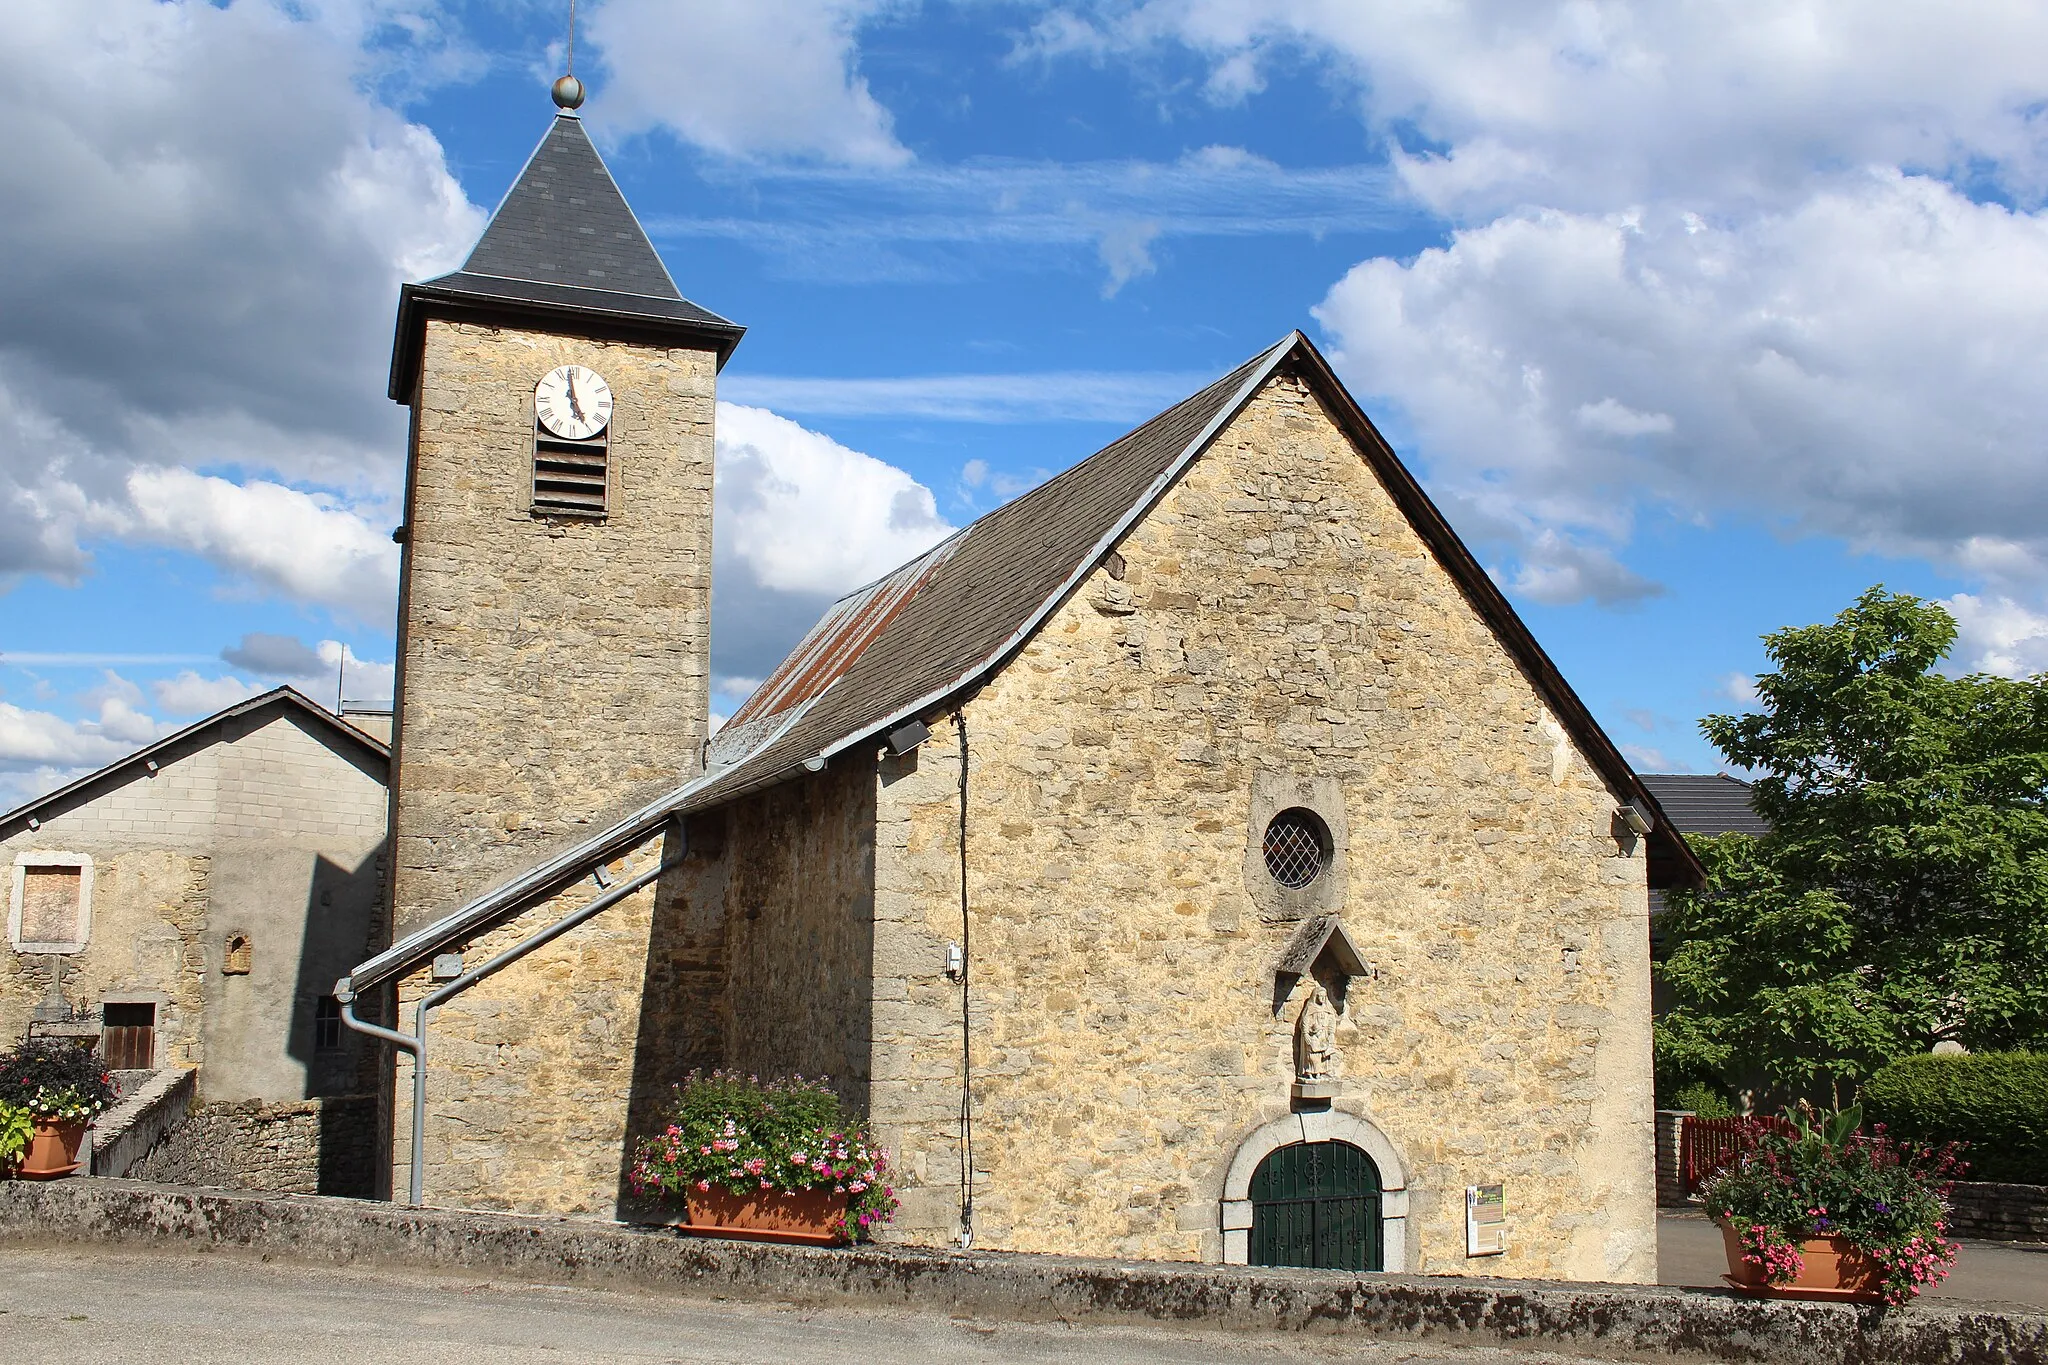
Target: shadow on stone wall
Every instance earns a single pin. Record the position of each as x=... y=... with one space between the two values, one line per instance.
x=682 y=992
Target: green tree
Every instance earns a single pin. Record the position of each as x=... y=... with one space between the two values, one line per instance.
x=1902 y=895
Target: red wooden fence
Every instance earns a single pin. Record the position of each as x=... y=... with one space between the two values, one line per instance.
x=1707 y=1147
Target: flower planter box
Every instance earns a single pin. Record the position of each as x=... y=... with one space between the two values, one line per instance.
x=53 y=1154
x=806 y=1218
x=1834 y=1270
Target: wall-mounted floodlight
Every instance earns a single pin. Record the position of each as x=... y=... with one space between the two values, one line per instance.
x=956 y=961
x=904 y=738
x=1637 y=819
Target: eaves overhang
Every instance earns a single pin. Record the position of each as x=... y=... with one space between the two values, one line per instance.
x=547 y=307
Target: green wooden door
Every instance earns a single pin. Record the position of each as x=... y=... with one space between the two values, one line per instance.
x=1317 y=1205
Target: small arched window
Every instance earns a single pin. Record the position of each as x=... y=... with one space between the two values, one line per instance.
x=234 y=960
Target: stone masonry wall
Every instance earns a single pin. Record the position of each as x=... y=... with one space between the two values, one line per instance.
x=551 y=669
x=530 y=1072
x=149 y=909
x=1278 y=626
x=267 y=832
x=331 y=1146
x=753 y=953
x=552 y=673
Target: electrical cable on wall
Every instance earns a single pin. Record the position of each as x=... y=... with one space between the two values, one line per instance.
x=966 y=1027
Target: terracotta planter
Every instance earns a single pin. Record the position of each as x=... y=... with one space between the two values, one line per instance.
x=1834 y=1270
x=53 y=1153
x=809 y=1217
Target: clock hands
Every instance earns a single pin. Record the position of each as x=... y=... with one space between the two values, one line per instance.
x=575 y=407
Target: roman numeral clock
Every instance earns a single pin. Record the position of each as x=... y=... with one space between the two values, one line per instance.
x=572 y=415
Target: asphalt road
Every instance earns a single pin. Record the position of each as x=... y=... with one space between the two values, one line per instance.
x=1689 y=1252
x=89 y=1307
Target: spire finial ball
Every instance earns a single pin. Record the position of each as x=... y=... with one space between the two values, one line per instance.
x=568 y=93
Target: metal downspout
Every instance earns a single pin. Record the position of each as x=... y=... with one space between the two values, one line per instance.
x=416 y=1042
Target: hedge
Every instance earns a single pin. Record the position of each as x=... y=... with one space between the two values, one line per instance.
x=1995 y=1101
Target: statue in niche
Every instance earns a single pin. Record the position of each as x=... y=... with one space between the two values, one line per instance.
x=1315 y=1037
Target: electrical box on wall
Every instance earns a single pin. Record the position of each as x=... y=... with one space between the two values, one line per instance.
x=1486 y=1220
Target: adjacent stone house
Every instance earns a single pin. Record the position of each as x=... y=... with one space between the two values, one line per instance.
x=191 y=905
x=1195 y=858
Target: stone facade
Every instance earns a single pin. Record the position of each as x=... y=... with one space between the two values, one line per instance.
x=1277 y=618
x=329 y=1145
x=552 y=672
x=753 y=952
x=270 y=831
x=1275 y=633
x=550 y=668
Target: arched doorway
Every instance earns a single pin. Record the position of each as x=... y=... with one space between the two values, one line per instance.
x=1317 y=1205
x=1319 y=1129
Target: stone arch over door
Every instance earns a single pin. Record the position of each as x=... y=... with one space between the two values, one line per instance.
x=1326 y=1125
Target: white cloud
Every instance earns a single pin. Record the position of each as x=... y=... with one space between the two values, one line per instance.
x=40 y=742
x=1126 y=250
x=1995 y=634
x=1645 y=758
x=1739 y=688
x=940 y=221
x=1049 y=396
x=744 y=77
x=1737 y=258
x=805 y=514
x=799 y=520
x=189 y=694
x=1863 y=366
x=1587 y=106
x=302 y=545
x=202 y=283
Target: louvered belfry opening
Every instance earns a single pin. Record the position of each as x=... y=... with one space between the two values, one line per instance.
x=571 y=478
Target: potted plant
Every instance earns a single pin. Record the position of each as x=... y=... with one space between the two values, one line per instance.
x=1823 y=1210
x=783 y=1160
x=61 y=1086
x=17 y=1130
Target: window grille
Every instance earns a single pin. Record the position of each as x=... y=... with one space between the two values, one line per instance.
x=1297 y=847
x=571 y=478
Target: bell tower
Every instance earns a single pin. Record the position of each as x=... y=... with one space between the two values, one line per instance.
x=555 y=587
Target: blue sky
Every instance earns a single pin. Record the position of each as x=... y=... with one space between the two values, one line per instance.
x=1696 y=319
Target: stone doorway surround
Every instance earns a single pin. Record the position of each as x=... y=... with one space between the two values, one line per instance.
x=1317 y=1125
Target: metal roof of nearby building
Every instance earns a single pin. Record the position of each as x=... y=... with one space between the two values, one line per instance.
x=563 y=244
x=1706 y=803
x=913 y=643
x=178 y=745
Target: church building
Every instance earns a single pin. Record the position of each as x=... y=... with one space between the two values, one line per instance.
x=1195 y=858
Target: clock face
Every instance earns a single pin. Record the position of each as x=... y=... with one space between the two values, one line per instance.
x=573 y=402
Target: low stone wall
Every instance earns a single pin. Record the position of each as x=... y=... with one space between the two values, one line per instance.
x=2000 y=1213
x=318 y=1146
x=151 y=1105
x=1616 y=1322
x=1670 y=1146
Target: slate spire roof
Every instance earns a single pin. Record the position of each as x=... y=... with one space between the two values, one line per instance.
x=563 y=246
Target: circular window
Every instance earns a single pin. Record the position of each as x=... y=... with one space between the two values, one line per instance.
x=1297 y=847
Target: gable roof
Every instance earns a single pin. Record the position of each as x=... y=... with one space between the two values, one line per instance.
x=563 y=245
x=932 y=632
x=179 y=745
x=1707 y=803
